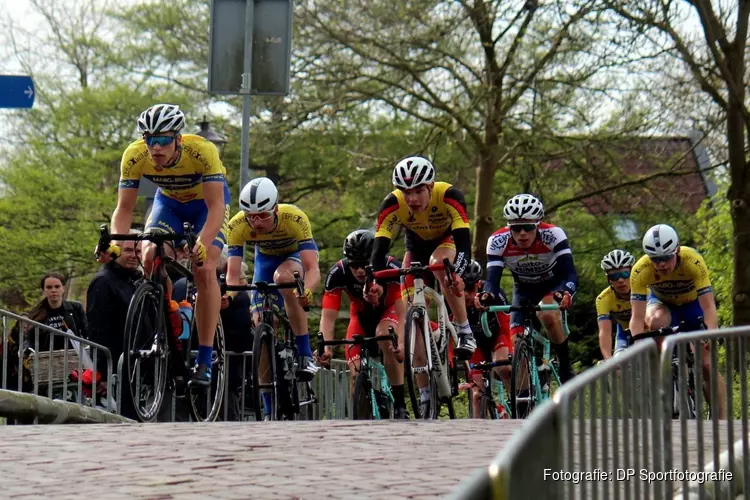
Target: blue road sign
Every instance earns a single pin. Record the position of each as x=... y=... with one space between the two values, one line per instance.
x=16 y=91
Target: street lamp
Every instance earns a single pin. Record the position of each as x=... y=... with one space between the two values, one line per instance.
x=206 y=132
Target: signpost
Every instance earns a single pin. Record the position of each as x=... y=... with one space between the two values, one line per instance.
x=249 y=54
x=16 y=91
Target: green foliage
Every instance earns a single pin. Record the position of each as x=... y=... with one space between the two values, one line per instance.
x=713 y=237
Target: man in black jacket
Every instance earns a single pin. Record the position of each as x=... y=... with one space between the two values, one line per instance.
x=107 y=302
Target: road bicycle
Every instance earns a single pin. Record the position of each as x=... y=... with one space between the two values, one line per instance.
x=155 y=359
x=371 y=400
x=489 y=407
x=426 y=363
x=680 y=404
x=277 y=393
x=535 y=369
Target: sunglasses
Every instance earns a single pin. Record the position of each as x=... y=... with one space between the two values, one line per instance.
x=357 y=265
x=161 y=140
x=665 y=258
x=517 y=228
x=259 y=216
x=617 y=276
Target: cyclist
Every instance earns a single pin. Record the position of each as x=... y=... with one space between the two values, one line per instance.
x=496 y=348
x=436 y=225
x=348 y=275
x=192 y=188
x=613 y=304
x=284 y=243
x=541 y=262
x=669 y=285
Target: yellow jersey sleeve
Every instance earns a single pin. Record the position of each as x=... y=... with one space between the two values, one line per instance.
x=640 y=278
x=239 y=233
x=602 y=306
x=388 y=218
x=697 y=266
x=131 y=165
x=455 y=203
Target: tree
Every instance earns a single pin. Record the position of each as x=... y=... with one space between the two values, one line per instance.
x=471 y=70
x=715 y=61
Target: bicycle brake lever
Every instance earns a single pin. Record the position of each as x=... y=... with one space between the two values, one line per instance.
x=300 y=289
x=449 y=270
x=104 y=239
x=321 y=347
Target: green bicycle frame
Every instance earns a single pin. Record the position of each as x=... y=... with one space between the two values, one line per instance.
x=536 y=337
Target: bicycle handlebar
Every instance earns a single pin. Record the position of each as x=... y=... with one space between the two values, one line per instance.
x=358 y=340
x=507 y=309
x=105 y=237
x=263 y=286
x=489 y=365
x=664 y=331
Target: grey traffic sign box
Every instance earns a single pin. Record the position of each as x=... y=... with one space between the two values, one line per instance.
x=271 y=46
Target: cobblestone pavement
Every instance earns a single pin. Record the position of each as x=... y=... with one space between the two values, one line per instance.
x=284 y=460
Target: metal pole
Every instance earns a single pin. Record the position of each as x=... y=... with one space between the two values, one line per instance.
x=245 y=91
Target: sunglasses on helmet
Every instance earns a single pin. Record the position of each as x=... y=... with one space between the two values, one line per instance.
x=161 y=140
x=617 y=276
x=517 y=228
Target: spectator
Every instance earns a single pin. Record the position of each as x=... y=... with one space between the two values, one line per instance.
x=107 y=303
x=238 y=324
x=57 y=313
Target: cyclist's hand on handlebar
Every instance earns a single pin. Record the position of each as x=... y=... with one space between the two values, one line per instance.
x=108 y=255
x=307 y=299
x=564 y=299
x=325 y=359
x=398 y=352
x=373 y=294
x=482 y=300
x=199 y=252
x=456 y=284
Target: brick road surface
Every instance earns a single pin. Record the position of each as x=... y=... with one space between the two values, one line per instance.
x=284 y=460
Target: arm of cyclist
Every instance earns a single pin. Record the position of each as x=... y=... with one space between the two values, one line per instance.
x=384 y=227
x=234 y=272
x=491 y=291
x=605 y=337
x=312 y=274
x=708 y=305
x=456 y=203
x=637 y=315
x=565 y=273
x=122 y=218
x=328 y=316
x=401 y=314
x=213 y=194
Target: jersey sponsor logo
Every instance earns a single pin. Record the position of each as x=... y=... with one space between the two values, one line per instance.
x=549 y=237
x=676 y=287
x=498 y=242
x=195 y=154
x=142 y=155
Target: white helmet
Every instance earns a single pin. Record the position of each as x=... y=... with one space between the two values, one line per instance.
x=259 y=195
x=617 y=259
x=161 y=118
x=412 y=172
x=524 y=206
x=661 y=241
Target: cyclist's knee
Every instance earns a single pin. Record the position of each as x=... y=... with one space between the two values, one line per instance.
x=550 y=319
x=503 y=371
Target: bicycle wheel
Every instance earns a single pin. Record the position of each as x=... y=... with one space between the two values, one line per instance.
x=264 y=373
x=414 y=344
x=146 y=351
x=487 y=405
x=362 y=398
x=522 y=392
x=205 y=404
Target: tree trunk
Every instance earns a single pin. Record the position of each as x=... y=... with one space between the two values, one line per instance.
x=484 y=223
x=739 y=197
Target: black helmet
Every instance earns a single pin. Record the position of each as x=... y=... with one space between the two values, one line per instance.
x=473 y=273
x=358 y=245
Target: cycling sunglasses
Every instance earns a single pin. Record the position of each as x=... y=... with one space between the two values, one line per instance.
x=161 y=140
x=357 y=265
x=664 y=258
x=617 y=276
x=517 y=228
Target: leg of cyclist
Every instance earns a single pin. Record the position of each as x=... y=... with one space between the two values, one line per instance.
x=306 y=366
x=353 y=352
x=393 y=368
x=456 y=303
x=552 y=321
x=503 y=349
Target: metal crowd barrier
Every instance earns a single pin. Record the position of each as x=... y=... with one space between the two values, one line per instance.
x=45 y=371
x=608 y=433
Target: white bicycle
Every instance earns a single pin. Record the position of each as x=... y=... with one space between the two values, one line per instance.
x=426 y=365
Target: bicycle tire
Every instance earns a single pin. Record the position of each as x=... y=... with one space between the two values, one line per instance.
x=143 y=312
x=362 y=398
x=414 y=317
x=208 y=410
x=487 y=406
x=264 y=342
x=522 y=358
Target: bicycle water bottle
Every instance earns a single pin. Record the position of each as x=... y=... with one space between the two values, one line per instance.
x=186 y=313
